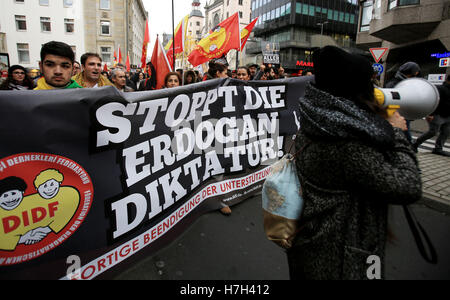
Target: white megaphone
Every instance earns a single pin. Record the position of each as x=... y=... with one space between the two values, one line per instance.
x=413 y=98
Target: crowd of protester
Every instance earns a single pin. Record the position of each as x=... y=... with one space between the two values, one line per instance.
x=59 y=70
x=90 y=73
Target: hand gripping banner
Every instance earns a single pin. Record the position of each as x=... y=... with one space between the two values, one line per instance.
x=91 y=177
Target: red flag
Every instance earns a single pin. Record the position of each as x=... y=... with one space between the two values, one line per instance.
x=115 y=58
x=161 y=64
x=105 y=68
x=179 y=40
x=127 y=64
x=223 y=38
x=120 y=56
x=245 y=33
x=144 y=46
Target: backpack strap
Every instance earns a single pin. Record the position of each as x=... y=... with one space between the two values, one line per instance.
x=418 y=232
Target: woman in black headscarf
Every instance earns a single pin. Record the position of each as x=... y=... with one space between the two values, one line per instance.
x=354 y=162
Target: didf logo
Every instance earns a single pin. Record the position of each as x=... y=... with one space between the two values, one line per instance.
x=44 y=198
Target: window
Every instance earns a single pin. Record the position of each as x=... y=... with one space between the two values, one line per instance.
x=105 y=4
x=21 y=23
x=241 y=15
x=283 y=10
x=43 y=2
x=395 y=3
x=366 y=15
x=46 y=24
x=330 y=14
x=69 y=25
x=104 y=27
x=105 y=53
x=241 y=2
x=23 y=52
x=74 y=49
x=305 y=9
x=68 y=3
x=20 y=1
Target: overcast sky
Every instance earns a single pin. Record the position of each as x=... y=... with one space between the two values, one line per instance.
x=160 y=16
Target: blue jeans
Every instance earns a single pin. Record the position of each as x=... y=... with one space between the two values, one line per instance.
x=439 y=125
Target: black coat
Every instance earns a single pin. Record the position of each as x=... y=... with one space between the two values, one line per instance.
x=443 y=109
x=354 y=164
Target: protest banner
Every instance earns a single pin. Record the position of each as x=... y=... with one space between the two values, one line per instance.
x=271 y=52
x=91 y=177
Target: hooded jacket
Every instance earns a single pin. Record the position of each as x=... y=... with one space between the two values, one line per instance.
x=409 y=68
x=353 y=164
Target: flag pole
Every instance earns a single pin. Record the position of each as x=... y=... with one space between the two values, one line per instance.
x=240 y=42
x=173 y=35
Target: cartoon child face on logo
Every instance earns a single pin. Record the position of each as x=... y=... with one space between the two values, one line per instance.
x=42 y=203
x=48 y=182
x=11 y=192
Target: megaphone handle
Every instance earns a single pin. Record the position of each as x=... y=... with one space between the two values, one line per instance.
x=391 y=109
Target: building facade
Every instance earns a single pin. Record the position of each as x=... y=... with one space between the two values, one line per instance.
x=412 y=30
x=99 y=26
x=26 y=25
x=111 y=24
x=299 y=26
x=137 y=17
x=218 y=10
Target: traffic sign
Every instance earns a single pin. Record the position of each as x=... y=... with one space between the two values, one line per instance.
x=378 y=68
x=444 y=62
x=378 y=53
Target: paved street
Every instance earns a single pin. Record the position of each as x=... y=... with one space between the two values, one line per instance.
x=216 y=247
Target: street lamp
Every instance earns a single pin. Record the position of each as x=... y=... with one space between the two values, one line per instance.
x=321 y=31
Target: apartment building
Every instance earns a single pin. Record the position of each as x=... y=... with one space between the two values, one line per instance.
x=412 y=30
x=218 y=10
x=99 y=26
x=25 y=25
x=111 y=24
